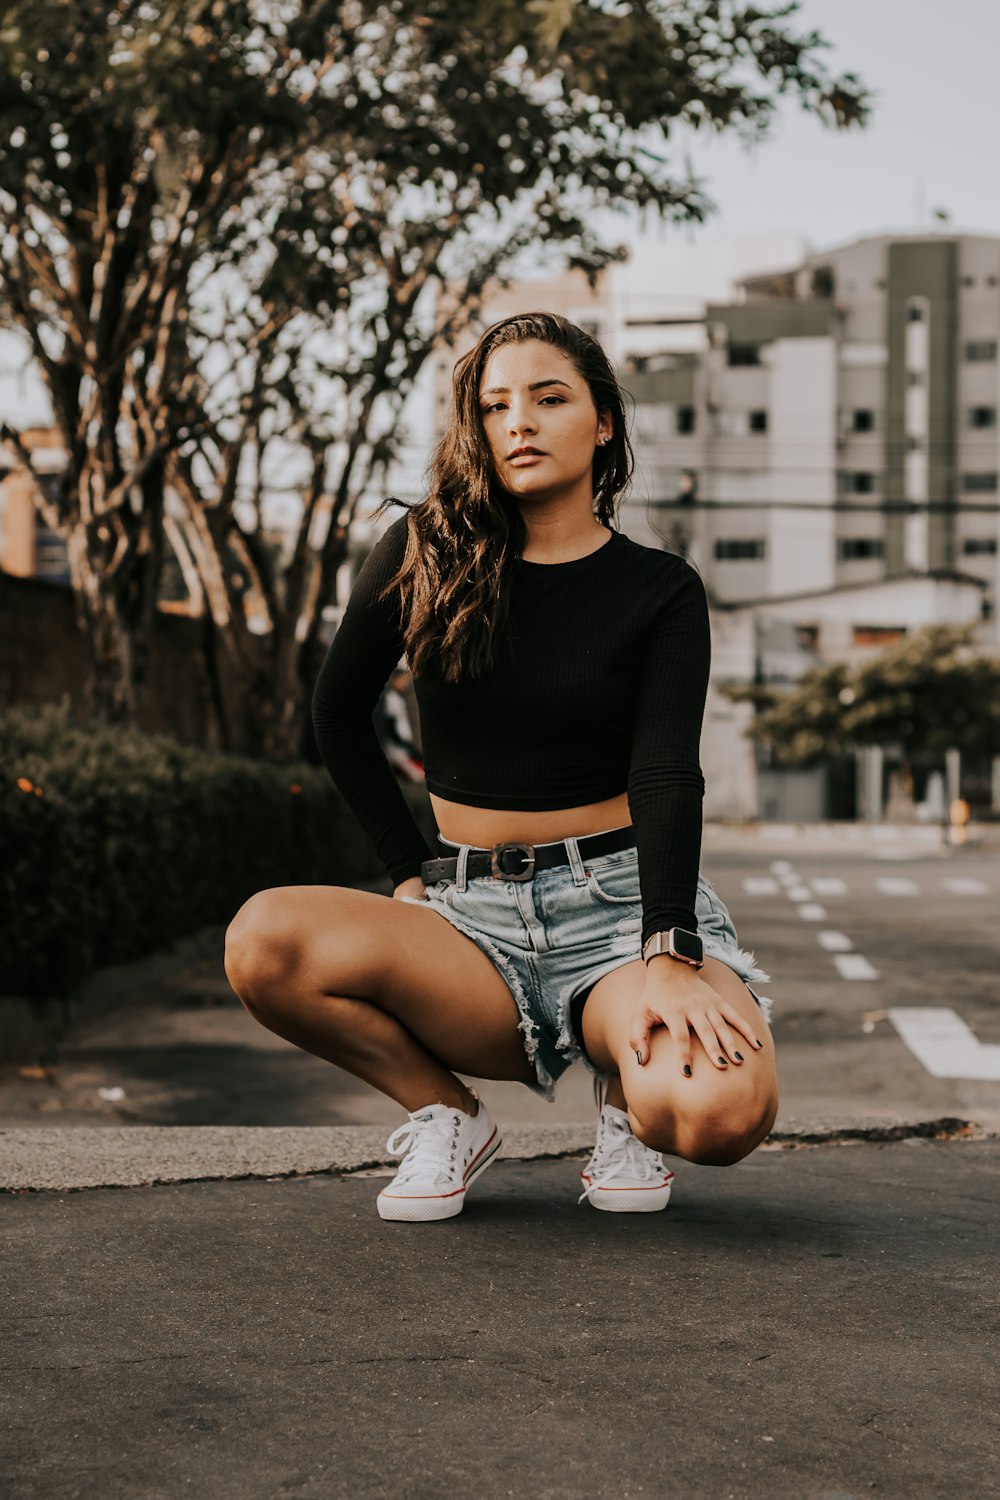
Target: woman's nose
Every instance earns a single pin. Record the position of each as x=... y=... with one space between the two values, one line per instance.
x=522 y=421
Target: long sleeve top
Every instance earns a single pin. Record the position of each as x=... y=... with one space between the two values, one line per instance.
x=598 y=687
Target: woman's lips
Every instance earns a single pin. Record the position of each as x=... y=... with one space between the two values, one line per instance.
x=526 y=458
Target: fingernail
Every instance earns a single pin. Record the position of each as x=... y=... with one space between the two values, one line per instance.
x=757 y=1044
x=723 y=1062
x=687 y=1070
x=638 y=1057
x=738 y=1056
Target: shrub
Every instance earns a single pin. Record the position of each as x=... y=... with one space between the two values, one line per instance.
x=114 y=843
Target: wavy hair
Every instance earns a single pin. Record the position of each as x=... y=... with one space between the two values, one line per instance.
x=467 y=532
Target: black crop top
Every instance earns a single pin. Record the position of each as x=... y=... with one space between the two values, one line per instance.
x=599 y=689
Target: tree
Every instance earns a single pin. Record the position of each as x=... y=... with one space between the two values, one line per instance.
x=223 y=226
x=930 y=692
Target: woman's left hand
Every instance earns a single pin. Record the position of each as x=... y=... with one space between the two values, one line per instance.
x=680 y=999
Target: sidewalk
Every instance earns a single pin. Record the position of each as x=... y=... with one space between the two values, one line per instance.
x=816 y=1323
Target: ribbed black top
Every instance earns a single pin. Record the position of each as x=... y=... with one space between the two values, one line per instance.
x=599 y=688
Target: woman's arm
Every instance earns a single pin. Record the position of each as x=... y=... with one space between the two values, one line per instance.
x=665 y=783
x=366 y=648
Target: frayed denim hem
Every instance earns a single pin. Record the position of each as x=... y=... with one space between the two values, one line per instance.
x=527 y=1025
x=743 y=963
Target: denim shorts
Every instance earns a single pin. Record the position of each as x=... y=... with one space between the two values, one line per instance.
x=554 y=936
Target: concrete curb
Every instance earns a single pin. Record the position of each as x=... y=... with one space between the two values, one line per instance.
x=82 y=1157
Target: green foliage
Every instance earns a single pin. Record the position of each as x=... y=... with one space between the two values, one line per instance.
x=928 y=693
x=114 y=843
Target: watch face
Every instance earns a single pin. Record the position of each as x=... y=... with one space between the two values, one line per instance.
x=687 y=944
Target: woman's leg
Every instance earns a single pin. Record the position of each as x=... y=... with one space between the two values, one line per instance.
x=717 y=1116
x=390 y=992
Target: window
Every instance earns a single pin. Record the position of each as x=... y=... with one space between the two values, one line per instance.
x=968 y=280
x=862 y=420
x=685 y=419
x=744 y=354
x=758 y=421
x=979 y=546
x=857 y=482
x=979 y=484
x=877 y=635
x=915 y=312
x=914 y=377
x=982 y=416
x=851 y=547
x=981 y=349
x=739 y=549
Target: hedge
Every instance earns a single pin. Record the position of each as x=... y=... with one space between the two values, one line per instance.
x=113 y=843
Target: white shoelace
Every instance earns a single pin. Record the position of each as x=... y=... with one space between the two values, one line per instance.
x=428 y=1147
x=618 y=1150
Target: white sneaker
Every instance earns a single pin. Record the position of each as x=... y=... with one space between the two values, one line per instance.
x=623 y=1176
x=443 y=1150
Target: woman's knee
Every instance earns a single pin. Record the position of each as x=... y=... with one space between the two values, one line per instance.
x=263 y=947
x=713 y=1130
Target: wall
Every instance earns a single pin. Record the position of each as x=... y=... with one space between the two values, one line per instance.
x=43 y=661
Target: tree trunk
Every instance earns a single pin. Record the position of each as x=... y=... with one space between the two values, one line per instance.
x=100 y=618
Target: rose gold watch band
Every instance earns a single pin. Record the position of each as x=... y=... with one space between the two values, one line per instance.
x=662 y=942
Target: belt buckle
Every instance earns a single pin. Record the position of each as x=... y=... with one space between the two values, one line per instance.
x=497 y=870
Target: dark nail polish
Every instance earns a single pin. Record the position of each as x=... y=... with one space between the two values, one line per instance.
x=722 y=1060
x=687 y=1070
x=757 y=1044
x=638 y=1057
x=738 y=1056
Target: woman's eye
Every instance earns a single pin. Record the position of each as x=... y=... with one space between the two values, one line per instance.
x=487 y=410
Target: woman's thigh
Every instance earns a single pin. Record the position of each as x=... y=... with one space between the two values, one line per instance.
x=290 y=947
x=739 y=1100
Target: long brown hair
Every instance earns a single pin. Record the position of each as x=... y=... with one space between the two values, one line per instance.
x=464 y=536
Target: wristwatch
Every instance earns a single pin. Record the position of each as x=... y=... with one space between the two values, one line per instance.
x=679 y=943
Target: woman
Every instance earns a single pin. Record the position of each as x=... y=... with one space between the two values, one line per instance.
x=560 y=670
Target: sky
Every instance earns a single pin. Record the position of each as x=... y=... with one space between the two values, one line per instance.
x=931 y=142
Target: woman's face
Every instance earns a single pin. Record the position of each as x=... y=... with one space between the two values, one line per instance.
x=531 y=396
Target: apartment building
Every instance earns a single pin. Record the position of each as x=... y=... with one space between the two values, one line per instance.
x=839 y=427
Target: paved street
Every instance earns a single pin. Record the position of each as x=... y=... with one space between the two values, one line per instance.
x=849 y=936
x=809 y=1325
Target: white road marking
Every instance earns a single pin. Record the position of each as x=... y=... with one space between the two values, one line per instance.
x=896 y=885
x=798 y=893
x=942 y=1042
x=829 y=885
x=854 y=966
x=811 y=911
x=760 y=885
x=965 y=885
x=834 y=942
x=781 y=866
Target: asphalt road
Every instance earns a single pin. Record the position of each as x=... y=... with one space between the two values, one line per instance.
x=919 y=923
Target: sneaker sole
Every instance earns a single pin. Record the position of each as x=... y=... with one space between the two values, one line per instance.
x=629 y=1200
x=427 y=1209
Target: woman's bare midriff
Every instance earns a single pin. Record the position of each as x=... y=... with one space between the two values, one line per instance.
x=486 y=826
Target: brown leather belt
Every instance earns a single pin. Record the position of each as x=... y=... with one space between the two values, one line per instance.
x=517 y=861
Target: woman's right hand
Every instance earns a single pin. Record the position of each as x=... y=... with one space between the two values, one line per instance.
x=414 y=887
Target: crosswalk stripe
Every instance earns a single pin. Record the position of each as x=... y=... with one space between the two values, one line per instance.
x=829 y=885
x=854 y=966
x=896 y=885
x=811 y=911
x=834 y=942
x=965 y=885
x=940 y=1040
x=760 y=885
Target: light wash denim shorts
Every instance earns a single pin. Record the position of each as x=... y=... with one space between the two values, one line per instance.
x=554 y=936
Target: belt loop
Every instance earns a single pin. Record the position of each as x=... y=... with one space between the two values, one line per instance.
x=575 y=861
x=461 y=870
